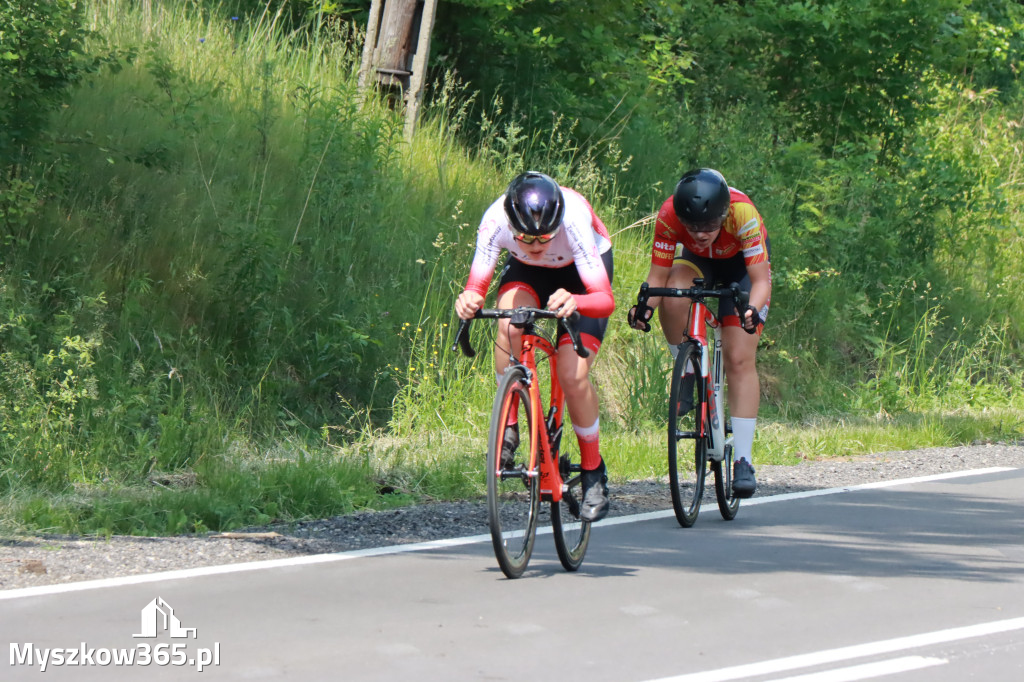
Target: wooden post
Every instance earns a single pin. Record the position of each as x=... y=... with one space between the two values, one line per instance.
x=369 y=44
x=419 y=68
x=388 y=58
x=394 y=44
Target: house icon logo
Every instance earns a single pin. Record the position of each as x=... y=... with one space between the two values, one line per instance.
x=158 y=616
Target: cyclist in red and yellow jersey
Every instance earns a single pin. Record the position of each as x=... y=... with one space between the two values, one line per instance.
x=560 y=257
x=723 y=240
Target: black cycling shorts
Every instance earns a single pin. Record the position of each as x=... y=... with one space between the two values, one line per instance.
x=722 y=272
x=540 y=283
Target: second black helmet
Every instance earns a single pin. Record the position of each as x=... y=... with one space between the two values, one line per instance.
x=701 y=199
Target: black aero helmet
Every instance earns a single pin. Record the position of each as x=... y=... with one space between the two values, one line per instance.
x=534 y=193
x=701 y=198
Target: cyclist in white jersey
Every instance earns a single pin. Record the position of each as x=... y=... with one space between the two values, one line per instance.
x=560 y=257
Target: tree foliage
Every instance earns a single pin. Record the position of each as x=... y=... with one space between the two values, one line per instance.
x=40 y=56
x=843 y=69
x=868 y=67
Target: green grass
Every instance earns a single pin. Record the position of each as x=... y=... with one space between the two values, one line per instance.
x=233 y=302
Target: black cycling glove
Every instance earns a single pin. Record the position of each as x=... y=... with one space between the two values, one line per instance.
x=640 y=312
x=756 y=317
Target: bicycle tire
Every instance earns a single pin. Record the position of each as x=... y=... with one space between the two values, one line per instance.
x=728 y=504
x=572 y=534
x=686 y=473
x=513 y=493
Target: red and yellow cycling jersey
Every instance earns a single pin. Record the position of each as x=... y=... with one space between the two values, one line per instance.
x=743 y=232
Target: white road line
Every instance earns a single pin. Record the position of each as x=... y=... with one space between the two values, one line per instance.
x=437 y=544
x=239 y=568
x=868 y=670
x=812 y=493
x=850 y=652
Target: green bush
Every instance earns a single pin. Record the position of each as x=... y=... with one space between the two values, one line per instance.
x=47 y=393
x=40 y=58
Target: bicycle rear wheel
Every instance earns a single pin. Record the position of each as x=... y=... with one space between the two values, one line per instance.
x=728 y=504
x=513 y=486
x=686 y=472
x=571 y=533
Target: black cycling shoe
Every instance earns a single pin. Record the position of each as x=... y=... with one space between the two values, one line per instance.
x=743 y=481
x=595 y=494
x=508 y=446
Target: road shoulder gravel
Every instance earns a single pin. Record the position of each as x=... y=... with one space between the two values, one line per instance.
x=29 y=561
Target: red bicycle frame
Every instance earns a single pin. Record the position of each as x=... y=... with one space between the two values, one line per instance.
x=547 y=428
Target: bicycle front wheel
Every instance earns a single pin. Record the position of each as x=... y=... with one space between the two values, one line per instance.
x=571 y=532
x=728 y=504
x=686 y=414
x=513 y=483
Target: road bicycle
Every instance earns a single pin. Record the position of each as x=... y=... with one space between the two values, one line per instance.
x=544 y=467
x=696 y=381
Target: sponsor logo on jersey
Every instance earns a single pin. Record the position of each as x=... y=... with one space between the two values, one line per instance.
x=664 y=246
x=753 y=251
x=749 y=226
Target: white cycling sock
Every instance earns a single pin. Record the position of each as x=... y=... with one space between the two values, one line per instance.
x=590 y=449
x=588 y=431
x=743 y=438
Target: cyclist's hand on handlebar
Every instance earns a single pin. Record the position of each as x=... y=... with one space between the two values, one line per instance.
x=562 y=303
x=467 y=304
x=749 y=319
x=639 y=319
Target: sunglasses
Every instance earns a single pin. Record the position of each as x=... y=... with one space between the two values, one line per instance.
x=706 y=227
x=531 y=238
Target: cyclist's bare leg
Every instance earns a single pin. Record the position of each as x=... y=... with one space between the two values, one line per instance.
x=675 y=312
x=580 y=395
x=739 y=350
x=509 y=337
x=581 y=401
x=738 y=355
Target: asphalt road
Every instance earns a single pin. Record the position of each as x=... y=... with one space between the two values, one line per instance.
x=918 y=580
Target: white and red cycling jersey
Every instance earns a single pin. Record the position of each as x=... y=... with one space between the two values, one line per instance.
x=580 y=241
